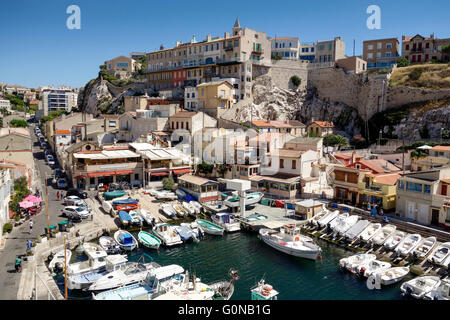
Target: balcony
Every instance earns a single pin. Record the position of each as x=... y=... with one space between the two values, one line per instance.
x=256 y=51
x=228 y=48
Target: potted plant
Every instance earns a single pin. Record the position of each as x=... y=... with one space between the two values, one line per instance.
x=30 y=255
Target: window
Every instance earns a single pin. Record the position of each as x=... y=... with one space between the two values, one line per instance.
x=294 y=164
x=187 y=95
x=378 y=54
x=281 y=163
x=388 y=54
x=388 y=45
x=112 y=123
x=330 y=47
x=427 y=188
x=379 y=45
x=401 y=185
x=321 y=47
x=370 y=47
x=370 y=56
x=407 y=47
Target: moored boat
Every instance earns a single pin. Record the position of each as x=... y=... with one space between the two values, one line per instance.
x=109 y=244
x=197 y=206
x=338 y=220
x=442 y=292
x=135 y=218
x=124 y=218
x=383 y=234
x=148 y=217
x=350 y=263
x=394 y=239
x=168 y=210
x=345 y=224
x=387 y=277
x=125 y=240
x=189 y=208
x=354 y=231
x=369 y=268
x=263 y=291
x=328 y=218
x=440 y=254
x=148 y=240
x=210 y=228
x=114 y=194
x=425 y=247
x=370 y=231
x=181 y=212
x=420 y=286
x=226 y=221
x=184 y=232
x=167 y=234
x=57 y=260
x=289 y=240
x=408 y=244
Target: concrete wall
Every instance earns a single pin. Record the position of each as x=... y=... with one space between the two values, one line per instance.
x=281 y=72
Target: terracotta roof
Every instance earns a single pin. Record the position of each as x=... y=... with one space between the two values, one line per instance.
x=184 y=114
x=271 y=124
x=34 y=102
x=287 y=153
x=379 y=165
x=324 y=124
x=441 y=148
x=446 y=181
x=195 y=179
x=390 y=179
x=62 y=132
x=344 y=155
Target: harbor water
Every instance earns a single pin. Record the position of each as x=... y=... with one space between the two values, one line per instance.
x=294 y=278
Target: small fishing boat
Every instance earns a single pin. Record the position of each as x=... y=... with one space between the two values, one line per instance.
x=250 y=198
x=184 y=232
x=345 y=224
x=383 y=234
x=125 y=218
x=224 y=289
x=96 y=260
x=369 y=232
x=328 y=218
x=338 y=220
x=83 y=281
x=125 y=201
x=210 y=228
x=369 y=268
x=425 y=247
x=125 y=240
x=107 y=206
x=169 y=210
x=420 y=286
x=197 y=232
x=356 y=230
x=386 y=277
x=181 y=212
x=442 y=292
x=148 y=240
x=167 y=234
x=350 y=263
x=394 y=239
x=130 y=273
x=147 y=217
x=57 y=260
x=263 y=291
x=290 y=241
x=318 y=216
x=440 y=254
x=189 y=208
x=408 y=244
x=180 y=194
x=226 y=220
x=127 y=207
x=114 y=194
x=135 y=218
x=109 y=245
x=165 y=195
x=198 y=207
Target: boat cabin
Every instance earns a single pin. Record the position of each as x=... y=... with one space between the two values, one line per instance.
x=264 y=292
x=290 y=231
x=115 y=262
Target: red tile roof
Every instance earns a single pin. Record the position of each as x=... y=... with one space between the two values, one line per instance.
x=379 y=165
x=324 y=124
x=441 y=148
x=390 y=179
x=62 y=132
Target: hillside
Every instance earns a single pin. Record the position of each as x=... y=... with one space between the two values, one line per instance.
x=430 y=76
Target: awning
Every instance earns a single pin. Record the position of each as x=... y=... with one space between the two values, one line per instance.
x=165 y=173
x=181 y=171
x=99 y=174
x=80 y=177
x=124 y=172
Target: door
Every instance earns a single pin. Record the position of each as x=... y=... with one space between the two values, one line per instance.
x=435 y=216
x=422 y=214
x=410 y=210
x=444 y=189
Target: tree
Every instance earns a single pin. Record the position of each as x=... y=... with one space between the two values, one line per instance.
x=403 y=62
x=205 y=167
x=15 y=123
x=335 y=140
x=446 y=49
x=276 y=57
x=296 y=80
x=424 y=133
x=143 y=61
x=168 y=183
x=20 y=192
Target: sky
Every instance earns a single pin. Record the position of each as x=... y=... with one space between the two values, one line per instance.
x=37 y=48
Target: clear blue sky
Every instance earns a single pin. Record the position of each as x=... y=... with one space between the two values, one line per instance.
x=36 y=48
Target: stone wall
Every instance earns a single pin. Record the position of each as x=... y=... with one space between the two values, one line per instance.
x=281 y=72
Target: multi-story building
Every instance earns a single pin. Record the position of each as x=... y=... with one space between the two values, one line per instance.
x=352 y=64
x=214 y=98
x=307 y=51
x=381 y=53
x=293 y=127
x=120 y=63
x=330 y=51
x=191 y=98
x=419 y=49
x=239 y=55
x=286 y=47
x=424 y=197
x=439 y=156
x=58 y=99
x=320 y=128
x=5 y=104
x=6 y=185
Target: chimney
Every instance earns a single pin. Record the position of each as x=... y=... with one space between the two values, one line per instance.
x=226 y=35
x=208 y=38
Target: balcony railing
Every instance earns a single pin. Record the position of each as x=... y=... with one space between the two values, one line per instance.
x=228 y=48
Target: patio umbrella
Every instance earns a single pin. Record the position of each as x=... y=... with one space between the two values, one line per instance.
x=25 y=204
x=33 y=199
x=424 y=147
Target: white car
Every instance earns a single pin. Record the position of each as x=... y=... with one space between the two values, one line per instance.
x=75 y=201
x=72 y=212
x=50 y=160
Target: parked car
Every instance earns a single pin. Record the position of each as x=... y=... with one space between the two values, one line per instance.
x=77 y=192
x=62 y=183
x=47 y=152
x=59 y=173
x=76 y=202
x=73 y=212
x=50 y=160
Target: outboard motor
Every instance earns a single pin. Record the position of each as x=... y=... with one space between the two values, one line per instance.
x=58 y=267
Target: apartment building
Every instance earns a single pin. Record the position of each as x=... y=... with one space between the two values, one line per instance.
x=215 y=98
x=191 y=98
x=330 y=51
x=193 y=63
x=352 y=65
x=6 y=186
x=286 y=47
x=307 y=51
x=424 y=197
x=439 y=156
x=120 y=63
x=58 y=99
x=381 y=53
x=5 y=104
x=419 y=49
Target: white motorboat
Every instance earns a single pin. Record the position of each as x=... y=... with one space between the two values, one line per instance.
x=394 y=239
x=125 y=240
x=420 y=286
x=328 y=218
x=350 y=263
x=147 y=217
x=250 y=198
x=107 y=206
x=135 y=218
x=166 y=195
x=226 y=221
x=386 y=277
x=383 y=234
x=345 y=224
x=189 y=208
x=408 y=244
x=209 y=227
x=168 y=210
x=440 y=254
x=369 y=268
x=57 y=260
x=290 y=241
x=369 y=232
x=198 y=207
x=425 y=247
x=84 y=280
x=167 y=234
x=197 y=232
x=109 y=245
x=96 y=260
x=131 y=272
x=320 y=215
x=180 y=210
x=442 y=292
x=263 y=291
x=338 y=220
x=356 y=230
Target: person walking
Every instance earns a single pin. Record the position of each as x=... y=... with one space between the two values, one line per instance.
x=57 y=195
x=29 y=244
x=31 y=226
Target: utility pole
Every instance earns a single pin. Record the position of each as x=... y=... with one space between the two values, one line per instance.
x=65 y=269
x=46 y=206
x=403 y=152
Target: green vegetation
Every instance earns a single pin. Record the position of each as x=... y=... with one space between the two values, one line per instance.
x=143 y=61
x=205 y=167
x=429 y=75
x=296 y=80
x=335 y=140
x=275 y=57
x=114 y=80
x=418 y=153
x=18 y=123
x=20 y=192
x=424 y=132
x=16 y=100
x=4 y=112
x=52 y=115
x=7 y=228
x=402 y=62
x=446 y=49
x=168 y=183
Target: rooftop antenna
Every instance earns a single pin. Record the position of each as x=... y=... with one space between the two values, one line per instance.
x=353 y=47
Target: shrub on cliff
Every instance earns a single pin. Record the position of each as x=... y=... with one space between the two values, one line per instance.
x=296 y=80
x=402 y=62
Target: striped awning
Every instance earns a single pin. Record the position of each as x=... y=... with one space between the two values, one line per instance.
x=181 y=171
x=163 y=173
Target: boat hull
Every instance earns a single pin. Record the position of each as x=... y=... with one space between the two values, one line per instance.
x=311 y=255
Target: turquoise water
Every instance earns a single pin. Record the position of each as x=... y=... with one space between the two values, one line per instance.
x=294 y=278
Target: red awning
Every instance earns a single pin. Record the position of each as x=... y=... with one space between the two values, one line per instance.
x=99 y=174
x=159 y=173
x=124 y=172
x=181 y=171
x=80 y=177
